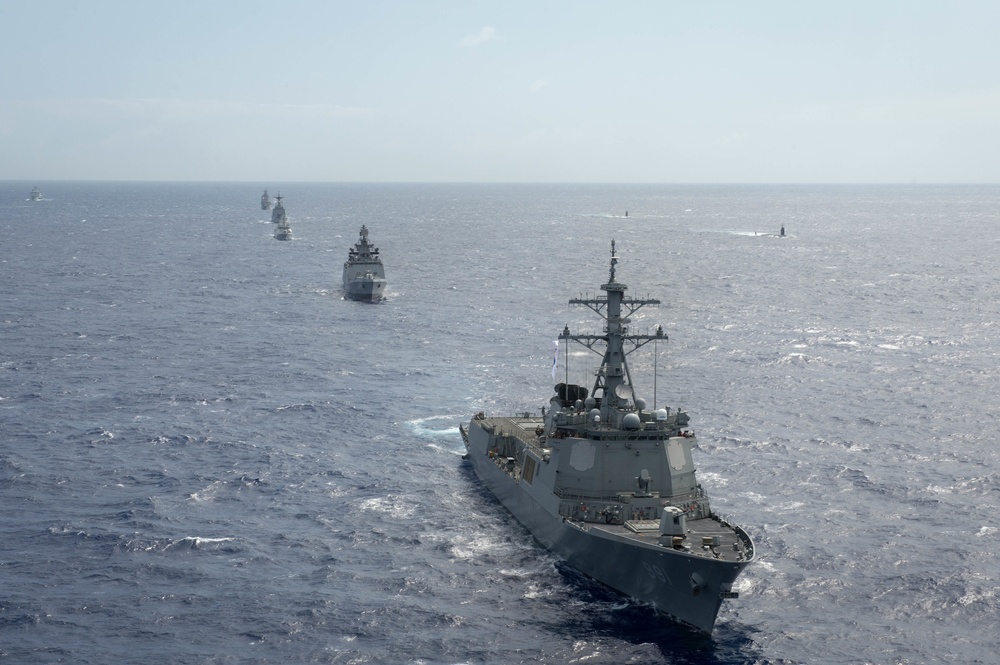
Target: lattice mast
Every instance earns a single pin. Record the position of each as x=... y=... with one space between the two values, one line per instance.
x=613 y=383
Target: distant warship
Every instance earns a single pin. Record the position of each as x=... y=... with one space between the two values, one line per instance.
x=278 y=214
x=609 y=485
x=364 y=275
x=283 y=231
x=265 y=201
x=36 y=195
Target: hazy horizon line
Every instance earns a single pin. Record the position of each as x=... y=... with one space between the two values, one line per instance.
x=268 y=183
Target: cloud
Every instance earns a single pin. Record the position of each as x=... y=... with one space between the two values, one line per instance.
x=487 y=34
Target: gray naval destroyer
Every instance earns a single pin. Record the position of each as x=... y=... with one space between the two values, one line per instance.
x=610 y=486
x=265 y=201
x=283 y=231
x=278 y=213
x=364 y=274
x=278 y=216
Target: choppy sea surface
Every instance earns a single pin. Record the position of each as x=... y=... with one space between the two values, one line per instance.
x=208 y=455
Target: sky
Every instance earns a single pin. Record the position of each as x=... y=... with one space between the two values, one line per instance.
x=873 y=91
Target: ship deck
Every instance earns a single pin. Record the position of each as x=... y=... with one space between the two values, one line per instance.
x=699 y=541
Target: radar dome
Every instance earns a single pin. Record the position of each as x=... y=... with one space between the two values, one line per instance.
x=631 y=421
x=640 y=403
x=590 y=402
x=661 y=414
x=595 y=414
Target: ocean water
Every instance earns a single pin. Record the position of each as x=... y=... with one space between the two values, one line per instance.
x=207 y=455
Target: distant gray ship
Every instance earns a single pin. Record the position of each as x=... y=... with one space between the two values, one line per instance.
x=278 y=215
x=283 y=231
x=364 y=275
x=610 y=486
x=36 y=195
x=265 y=201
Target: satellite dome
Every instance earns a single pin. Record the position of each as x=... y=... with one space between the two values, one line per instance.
x=631 y=421
x=640 y=403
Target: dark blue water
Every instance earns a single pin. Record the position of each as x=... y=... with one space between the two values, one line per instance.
x=207 y=455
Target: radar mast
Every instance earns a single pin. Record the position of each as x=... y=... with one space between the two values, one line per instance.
x=613 y=383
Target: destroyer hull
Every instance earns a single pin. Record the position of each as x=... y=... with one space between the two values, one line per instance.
x=365 y=289
x=688 y=588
